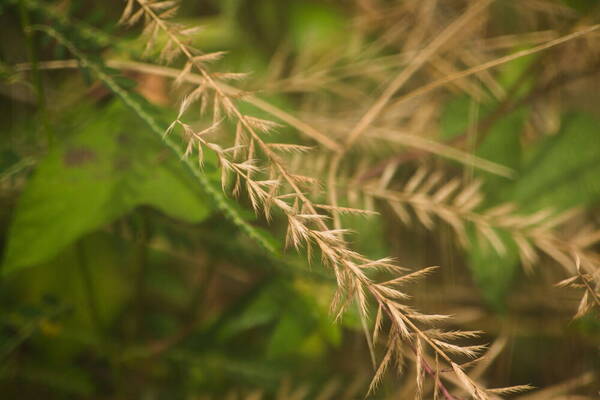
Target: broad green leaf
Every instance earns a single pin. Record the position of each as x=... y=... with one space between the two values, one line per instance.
x=147 y=114
x=564 y=171
x=96 y=175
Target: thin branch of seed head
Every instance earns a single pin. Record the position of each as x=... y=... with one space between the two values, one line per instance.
x=210 y=81
x=328 y=240
x=586 y=282
x=375 y=110
x=273 y=158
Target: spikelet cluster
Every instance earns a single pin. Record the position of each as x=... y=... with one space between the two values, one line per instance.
x=587 y=282
x=257 y=168
x=429 y=196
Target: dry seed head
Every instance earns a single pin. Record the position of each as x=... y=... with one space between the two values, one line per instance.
x=306 y=226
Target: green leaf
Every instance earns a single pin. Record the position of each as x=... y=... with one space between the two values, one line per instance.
x=455 y=117
x=563 y=172
x=142 y=109
x=98 y=174
x=502 y=145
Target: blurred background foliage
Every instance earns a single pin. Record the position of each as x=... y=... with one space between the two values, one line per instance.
x=123 y=278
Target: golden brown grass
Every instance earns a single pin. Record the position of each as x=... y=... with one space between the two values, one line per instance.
x=251 y=164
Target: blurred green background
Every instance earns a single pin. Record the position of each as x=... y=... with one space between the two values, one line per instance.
x=123 y=277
